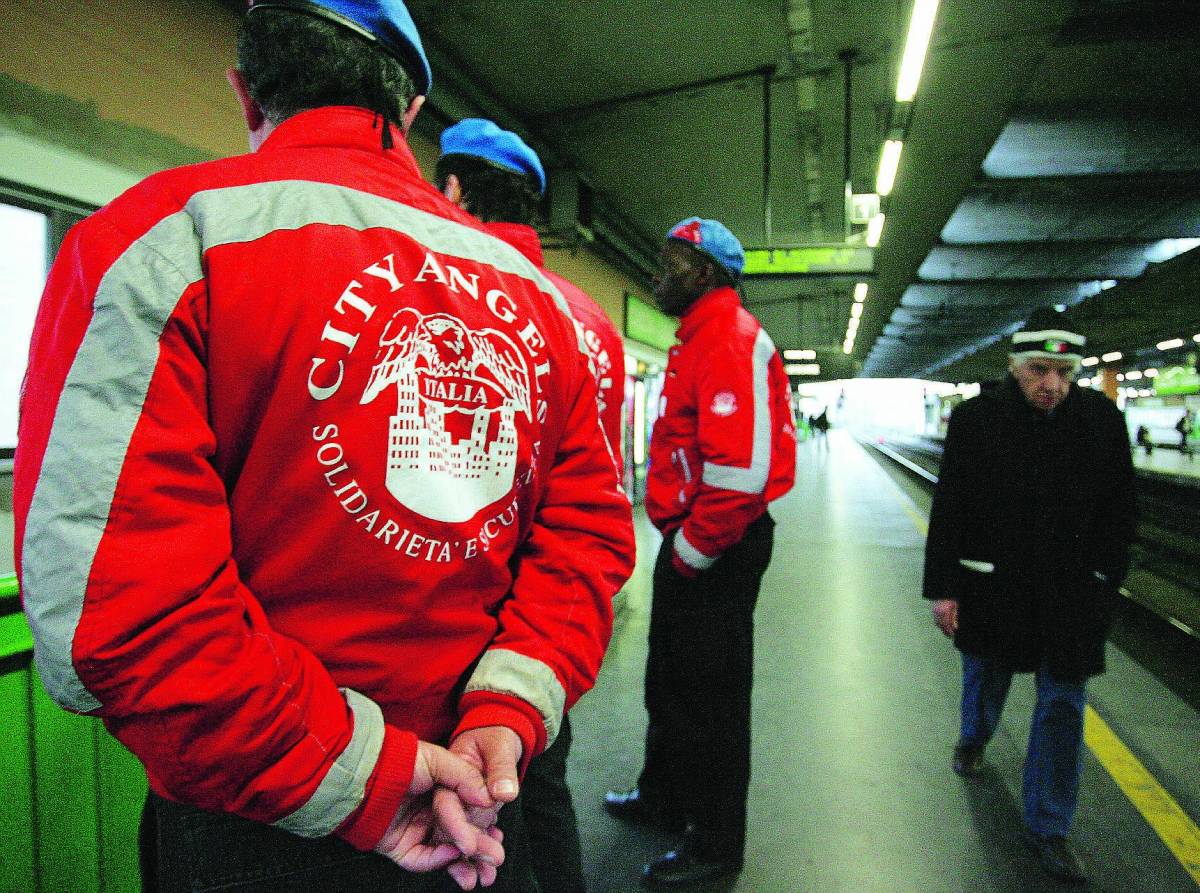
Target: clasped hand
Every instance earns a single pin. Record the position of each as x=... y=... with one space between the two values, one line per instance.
x=449 y=818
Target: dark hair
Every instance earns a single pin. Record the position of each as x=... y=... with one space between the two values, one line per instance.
x=293 y=61
x=489 y=192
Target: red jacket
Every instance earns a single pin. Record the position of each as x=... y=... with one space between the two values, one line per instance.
x=307 y=471
x=724 y=444
x=603 y=342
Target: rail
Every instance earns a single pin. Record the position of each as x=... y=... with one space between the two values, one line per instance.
x=902 y=461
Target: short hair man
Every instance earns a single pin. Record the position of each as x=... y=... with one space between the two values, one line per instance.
x=1029 y=538
x=493 y=174
x=303 y=452
x=723 y=448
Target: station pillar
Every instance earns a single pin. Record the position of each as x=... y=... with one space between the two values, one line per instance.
x=1108 y=382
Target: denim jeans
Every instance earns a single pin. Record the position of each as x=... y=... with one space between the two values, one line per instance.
x=1054 y=759
x=186 y=850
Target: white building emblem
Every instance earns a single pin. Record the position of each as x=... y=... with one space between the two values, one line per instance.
x=452 y=447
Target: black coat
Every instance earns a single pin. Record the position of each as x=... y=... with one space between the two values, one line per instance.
x=1047 y=501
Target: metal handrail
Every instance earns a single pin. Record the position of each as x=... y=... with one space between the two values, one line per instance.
x=8 y=586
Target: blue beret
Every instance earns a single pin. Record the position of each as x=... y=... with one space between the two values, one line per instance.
x=484 y=139
x=386 y=23
x=712 y=238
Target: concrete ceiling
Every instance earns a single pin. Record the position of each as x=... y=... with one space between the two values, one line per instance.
x=1053 y=145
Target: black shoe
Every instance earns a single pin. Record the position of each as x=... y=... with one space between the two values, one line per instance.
x=1057 y=858
x=683 y=867
x=633 y=806
x=968 y=759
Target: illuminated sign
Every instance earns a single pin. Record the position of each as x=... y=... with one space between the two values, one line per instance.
x=1177 y=380
x=811 y=260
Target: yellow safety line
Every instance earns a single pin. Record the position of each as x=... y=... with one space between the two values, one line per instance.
x=1174 y=826
x=922 y=524
x=1157 y=807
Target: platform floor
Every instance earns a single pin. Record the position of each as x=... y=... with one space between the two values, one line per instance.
x=1169 y=461
x=856 y=701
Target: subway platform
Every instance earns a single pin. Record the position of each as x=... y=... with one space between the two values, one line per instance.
x=1171 y=462
x=856 y=712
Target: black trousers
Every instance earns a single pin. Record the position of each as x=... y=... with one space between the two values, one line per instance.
x=550 y=819
x=187 y=850
x=699 y=675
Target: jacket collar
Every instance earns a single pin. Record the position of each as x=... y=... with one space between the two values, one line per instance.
x=524 y=238
x=716 y=303
x=343 y=126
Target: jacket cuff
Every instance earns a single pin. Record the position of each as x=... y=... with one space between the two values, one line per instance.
x=386 y=789
x=684 y=550
x=480 y=709
x=682 y=567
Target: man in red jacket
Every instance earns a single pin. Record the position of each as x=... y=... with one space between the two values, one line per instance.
x=723 y=448
x=308 y=483
x=496 y=176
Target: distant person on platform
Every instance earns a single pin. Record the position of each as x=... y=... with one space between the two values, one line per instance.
x=492 y=174
x=821 y=423
x=723 y=448
x=1144 y=440
x=1029 y=538
x=1185 y=426
x=310 y=505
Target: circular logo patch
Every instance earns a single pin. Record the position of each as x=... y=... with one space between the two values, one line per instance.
x=724 y=403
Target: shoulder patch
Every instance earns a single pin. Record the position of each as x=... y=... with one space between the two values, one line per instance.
x=724 y=403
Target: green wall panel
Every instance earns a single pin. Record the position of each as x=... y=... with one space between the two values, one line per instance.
x=122 y=789
x=17 y=867
x=65 y=798
x=72 y=794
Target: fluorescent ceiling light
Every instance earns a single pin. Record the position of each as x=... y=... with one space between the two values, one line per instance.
x=875 y=230
x=1084 y=382
x=1170 y=344
x=889 y=162
x=860 y=295
x=1196 y=338
x=803 y=369
x=1150 y=373
x=1112 y=357
x=852 y=326
x=799 y=354
x=1133 y=376
x=1089 y=361
x=856 y=310
x=847 y=346
x=1120 y=376
x=920 y=29
x=1165 y=249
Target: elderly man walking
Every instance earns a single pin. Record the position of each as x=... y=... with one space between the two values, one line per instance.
x=1029 y=539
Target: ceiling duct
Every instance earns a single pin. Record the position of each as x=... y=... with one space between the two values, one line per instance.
x=802 y=59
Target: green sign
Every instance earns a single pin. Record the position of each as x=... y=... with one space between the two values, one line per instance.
x=648 y=324
x=1177 y=380
x=809 y=260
